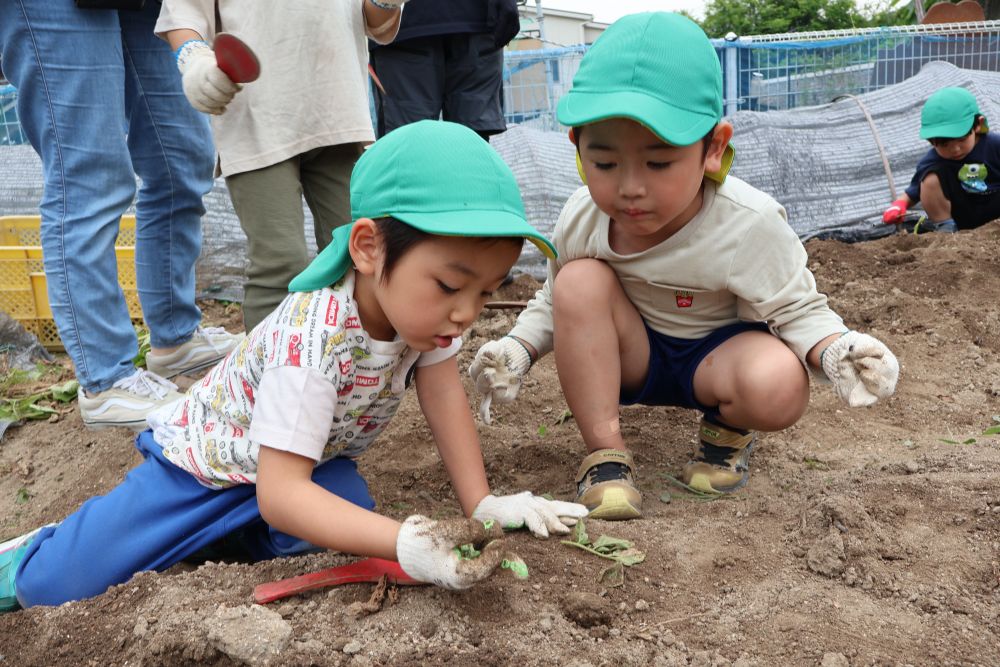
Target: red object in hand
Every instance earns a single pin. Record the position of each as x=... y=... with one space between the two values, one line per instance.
x=235 y=58
x=895 y=212
x=369 y=570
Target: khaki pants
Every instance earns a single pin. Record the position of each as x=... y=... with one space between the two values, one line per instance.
x=268 y=202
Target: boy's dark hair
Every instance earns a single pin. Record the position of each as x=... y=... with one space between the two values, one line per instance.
x=976 y=121
x=706 y=141
x=398 y=238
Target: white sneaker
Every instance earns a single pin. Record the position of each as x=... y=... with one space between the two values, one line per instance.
x=127 y=402
x=206 y=348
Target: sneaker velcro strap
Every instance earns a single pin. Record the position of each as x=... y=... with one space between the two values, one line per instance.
x=619 y=456
x=720 y=436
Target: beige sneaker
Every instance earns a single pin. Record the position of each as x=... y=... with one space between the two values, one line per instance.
x=721 y=463
x=605 y=483
x=128 y=401
x=206 y=348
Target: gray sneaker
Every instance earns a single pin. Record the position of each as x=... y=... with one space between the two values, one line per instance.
x=128 y=401
x=206 y=348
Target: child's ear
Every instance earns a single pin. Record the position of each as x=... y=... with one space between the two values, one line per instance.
x=365 y=246
x=717 y=146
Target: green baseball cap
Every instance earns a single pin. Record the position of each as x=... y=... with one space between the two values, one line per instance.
x=656 y=68
x=439 y=177
x=949 y=113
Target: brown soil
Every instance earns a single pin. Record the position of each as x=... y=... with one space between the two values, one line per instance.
x=865 y=537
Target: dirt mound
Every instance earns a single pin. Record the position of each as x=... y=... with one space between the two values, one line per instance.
x=868 y=536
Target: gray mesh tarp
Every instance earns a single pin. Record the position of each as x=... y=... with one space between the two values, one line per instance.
x=821 y=162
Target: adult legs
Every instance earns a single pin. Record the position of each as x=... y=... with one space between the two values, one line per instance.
x=67 y=65
x=171 y=150
x=474 y=83
x=268 y=202
x=326 y=183
x=413 y=74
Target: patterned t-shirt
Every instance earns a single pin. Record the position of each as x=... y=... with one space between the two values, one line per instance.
x=308 y=380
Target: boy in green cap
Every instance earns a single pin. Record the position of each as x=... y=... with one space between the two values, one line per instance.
x=958 y=180
x=674 y=284
x=260 y=453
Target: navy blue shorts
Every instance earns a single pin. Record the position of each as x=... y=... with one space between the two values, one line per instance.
x=672 y=363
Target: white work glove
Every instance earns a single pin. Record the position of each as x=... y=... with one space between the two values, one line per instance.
x=540 y=515
x=861 y=368
x=497 y=371
x=207 y=87
x=428 y=550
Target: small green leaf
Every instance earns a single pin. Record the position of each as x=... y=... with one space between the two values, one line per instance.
x=66 y=392
x=992 y=430
x=22 y=496
x=542 y=430
x=969 y=441
x=612 y=576
x=516 y=566
x=609 y=545
x=630 y=557
x=579 y=535
x=949 y=442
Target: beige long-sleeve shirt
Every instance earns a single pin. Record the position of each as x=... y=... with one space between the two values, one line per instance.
x=313 y=87
x=736 y=260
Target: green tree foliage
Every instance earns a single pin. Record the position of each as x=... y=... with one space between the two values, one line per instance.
x=765 y=17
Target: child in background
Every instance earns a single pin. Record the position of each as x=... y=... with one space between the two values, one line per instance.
x=296 y=131
x=674 y=285
x=261 y=452
x=958 y=179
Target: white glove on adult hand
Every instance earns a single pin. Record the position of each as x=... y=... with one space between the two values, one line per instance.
x=540 y=515
x=428 y=550
x=861 y=368
x=207 y=87
x=497 y=371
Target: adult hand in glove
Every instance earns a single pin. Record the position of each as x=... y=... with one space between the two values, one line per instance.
x=861 y=368
x=497 y=371
x=429 y=550
x=896 y=211
x=207 y=87
x=540 y=515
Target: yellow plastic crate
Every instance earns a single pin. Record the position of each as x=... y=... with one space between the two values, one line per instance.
x=23 y=288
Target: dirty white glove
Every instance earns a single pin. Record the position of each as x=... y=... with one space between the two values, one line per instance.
x=861 y=368
x=497 y=371
x=540 y=515
x=207 y=87
x=428 y=550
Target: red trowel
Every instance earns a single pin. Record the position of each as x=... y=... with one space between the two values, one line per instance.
x=235 y=58
x=369 y=570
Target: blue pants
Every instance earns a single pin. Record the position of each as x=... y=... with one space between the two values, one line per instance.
x=100 y=99
x=158 y=516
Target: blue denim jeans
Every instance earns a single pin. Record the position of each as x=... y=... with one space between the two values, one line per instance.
x=100 y=100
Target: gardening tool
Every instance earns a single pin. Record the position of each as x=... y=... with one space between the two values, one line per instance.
x=235 y=58
x=369 y=570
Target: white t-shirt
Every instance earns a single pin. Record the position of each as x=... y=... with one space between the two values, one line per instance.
x=307 y=380
x=313 y=87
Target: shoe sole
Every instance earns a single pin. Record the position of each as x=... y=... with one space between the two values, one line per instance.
x=701 y=482
x=184 y=371
x=615 y=507
x=101 y=426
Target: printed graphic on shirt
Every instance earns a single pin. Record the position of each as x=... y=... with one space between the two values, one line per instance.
x=973 y=177
x=207 y=433
x=684 y=299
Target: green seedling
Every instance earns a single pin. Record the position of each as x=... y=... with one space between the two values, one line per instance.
x=517 y=566
x=815 y=464
x=38 y=404
x=543 y=430
x=23 y=496
x=611 y=548
x=967 y=441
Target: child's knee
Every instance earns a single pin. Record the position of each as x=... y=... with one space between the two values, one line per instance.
x=930 y=186
x=778 y=389
x=582 y=283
